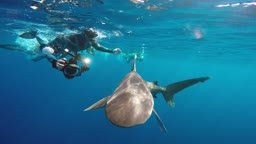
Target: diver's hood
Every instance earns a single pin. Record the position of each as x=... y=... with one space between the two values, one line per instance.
x=91 y=33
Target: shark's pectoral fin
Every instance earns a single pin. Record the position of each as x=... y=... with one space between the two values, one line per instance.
x=178 y=86
x=160 y=122
x=154 y=94
x=99 y=104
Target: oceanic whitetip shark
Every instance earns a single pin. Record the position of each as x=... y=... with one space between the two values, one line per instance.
x=132 y=102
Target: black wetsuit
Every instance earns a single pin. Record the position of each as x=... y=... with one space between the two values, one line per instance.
x=74 y=42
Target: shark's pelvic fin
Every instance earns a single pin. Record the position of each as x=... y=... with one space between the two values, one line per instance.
x=99 y=104
x=160 y=122
x=178 y=86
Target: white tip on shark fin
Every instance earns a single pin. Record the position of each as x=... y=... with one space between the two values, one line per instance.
x=160 y=122
x=99 y=104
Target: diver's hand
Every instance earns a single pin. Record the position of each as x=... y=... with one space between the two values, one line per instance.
x=61 y=63
x=117 y=51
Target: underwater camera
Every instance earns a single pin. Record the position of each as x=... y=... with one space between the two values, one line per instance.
x=76 y=65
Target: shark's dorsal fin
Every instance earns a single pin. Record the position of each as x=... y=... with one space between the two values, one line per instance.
x=134 y=63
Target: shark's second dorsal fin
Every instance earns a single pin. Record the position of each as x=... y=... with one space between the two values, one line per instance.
x=134 y=63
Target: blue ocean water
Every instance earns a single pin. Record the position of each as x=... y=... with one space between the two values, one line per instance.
x=182 y=39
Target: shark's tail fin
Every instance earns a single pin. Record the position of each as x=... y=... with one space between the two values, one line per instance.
x=178 y=86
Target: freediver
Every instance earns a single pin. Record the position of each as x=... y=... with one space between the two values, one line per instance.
x=57 y=50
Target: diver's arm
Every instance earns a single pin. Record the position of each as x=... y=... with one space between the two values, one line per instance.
x=97 y=46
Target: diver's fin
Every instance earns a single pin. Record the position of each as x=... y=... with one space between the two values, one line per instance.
x=40 y=41
x=160 y=122
x=38 y=58
x=11 y=47
x=98 y=104
x=14 y=47
x=178 y=86
x=31 y=34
